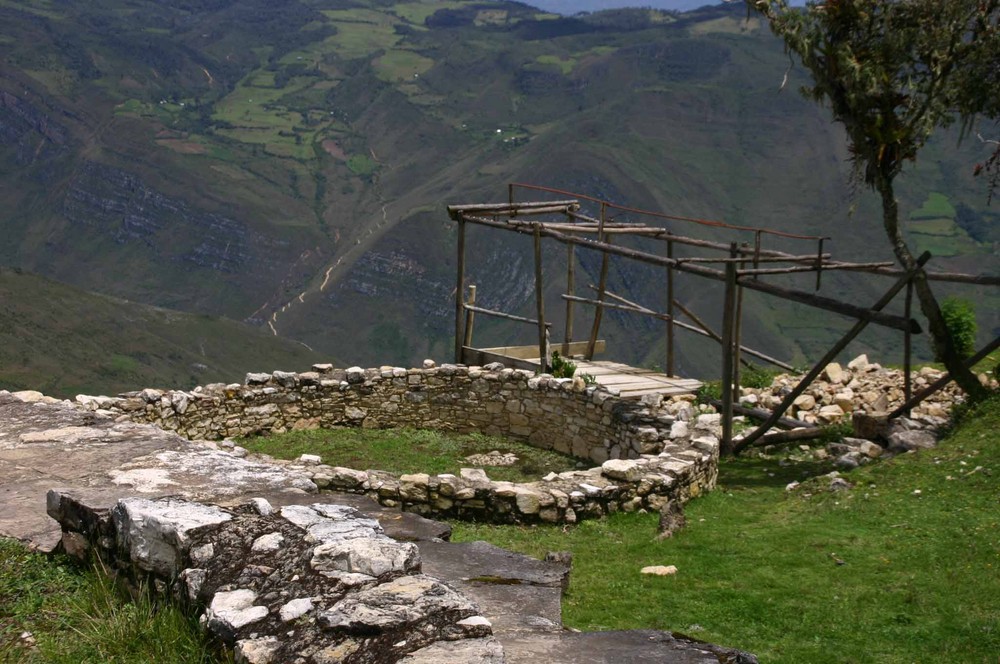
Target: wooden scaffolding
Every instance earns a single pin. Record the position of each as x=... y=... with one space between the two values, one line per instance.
x=741 y=266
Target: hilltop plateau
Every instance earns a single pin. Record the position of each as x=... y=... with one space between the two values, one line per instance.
x=287 y=163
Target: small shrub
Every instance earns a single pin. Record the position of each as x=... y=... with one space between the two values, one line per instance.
x=561 y=367
x=756 y=376
x=588 y=379
x=960 y=318
x=711 y=390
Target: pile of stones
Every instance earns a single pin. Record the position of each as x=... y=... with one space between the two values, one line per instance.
x=861 y=394
x=861 y=386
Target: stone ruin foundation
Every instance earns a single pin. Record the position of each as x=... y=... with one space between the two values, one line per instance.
x=284 y=570
x=645 y=455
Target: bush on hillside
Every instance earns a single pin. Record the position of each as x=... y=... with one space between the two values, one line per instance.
x=960 y=317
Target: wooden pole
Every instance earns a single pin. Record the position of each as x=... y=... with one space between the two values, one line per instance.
x=570 y=286
x=779 y=437
x=709 y=332
x=728 y=310
x=470 y=316
x=670 y=311
x=506 y=316
x=601 y=286
x=611 y=305
x=540 y=302
x=830 y=355
x=738 y=325
x=459 y=290
x=761 y=415
x=907 y=350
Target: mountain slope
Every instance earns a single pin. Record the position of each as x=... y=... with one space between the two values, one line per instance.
x=288 y=163
x=64 y=341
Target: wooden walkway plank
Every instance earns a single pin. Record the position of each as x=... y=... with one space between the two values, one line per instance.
x=623 y=380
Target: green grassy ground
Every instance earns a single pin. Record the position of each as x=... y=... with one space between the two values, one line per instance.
x=78 y=616
x=903 y=567
x=410 y=451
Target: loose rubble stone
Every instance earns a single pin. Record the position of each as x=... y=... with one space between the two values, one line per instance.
x=257 y=651
x=659 y=570
x=295 y=609
x=268 y=542
x=229 y=611
x=905 y=441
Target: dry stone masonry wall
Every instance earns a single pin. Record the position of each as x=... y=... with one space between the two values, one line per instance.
x=649 y=453
x=301 y=583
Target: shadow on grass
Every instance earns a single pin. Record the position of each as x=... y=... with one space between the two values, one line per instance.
x=755 y=472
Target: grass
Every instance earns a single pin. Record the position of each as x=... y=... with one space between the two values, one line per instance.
x=410 y=451
x=902 y=565
x=417 y=12
x=400 y=65
x=83 y=616
x=936 y=206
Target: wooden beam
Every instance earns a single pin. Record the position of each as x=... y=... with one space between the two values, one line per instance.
x=570 y=286
x=728 y=315
x=470 y=315
x=671 y=369
x=602 y=286
x=779 y=437
x=709 y=332
x=810 y=299
x=836 y=306
x=543 y=352
x=459 y=289
x=943 y=380
x=501 y=314
x=531 y=352
x=456 y=211
x=483 y=356
x=612 y=305
x=762 y=415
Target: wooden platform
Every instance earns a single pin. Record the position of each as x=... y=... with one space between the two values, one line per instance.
x=633 y=382
x=621 y=379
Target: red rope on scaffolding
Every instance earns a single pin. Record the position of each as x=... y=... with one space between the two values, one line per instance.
x=660 y=215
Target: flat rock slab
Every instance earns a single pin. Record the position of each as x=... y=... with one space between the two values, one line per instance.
x=634 y=646
x=399 y=525
x=518 y=594
x=97 y=460
x=482 y=561
x=515 y=609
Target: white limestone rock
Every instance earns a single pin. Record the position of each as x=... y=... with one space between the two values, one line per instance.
x=257 y=651
x=229 y=611
x=622 y=469
x=296 y=608
x=368 y=556
x=834 y=373
x=402 y=601
x=659 y=570
x=267 y=543
x=157 y=532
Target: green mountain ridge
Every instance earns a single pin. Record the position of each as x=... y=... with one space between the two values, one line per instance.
x=288 y=163
x=63 y=341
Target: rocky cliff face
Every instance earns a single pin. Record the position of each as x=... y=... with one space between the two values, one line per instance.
x=122 y=206
x=29 y=133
